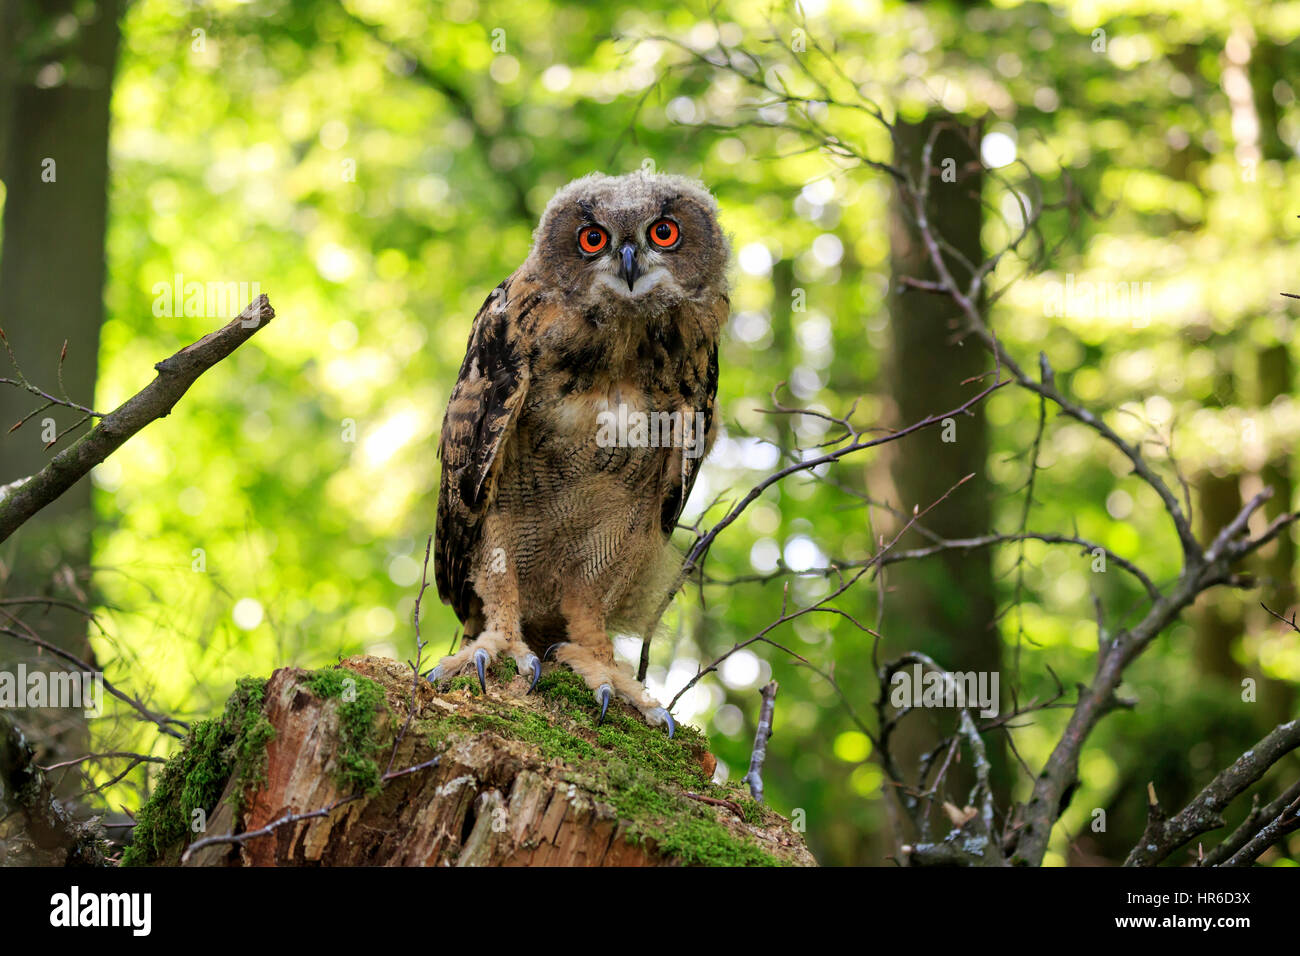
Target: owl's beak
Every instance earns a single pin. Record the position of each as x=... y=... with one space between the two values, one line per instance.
x=629 y=269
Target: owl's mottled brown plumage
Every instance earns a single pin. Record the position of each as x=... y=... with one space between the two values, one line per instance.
x=550 y=530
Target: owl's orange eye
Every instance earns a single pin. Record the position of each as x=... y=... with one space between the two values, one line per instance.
x=664 y=233
x=592 y=239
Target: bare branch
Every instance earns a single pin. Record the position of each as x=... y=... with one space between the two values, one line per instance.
x=288 y=818
x=155 y=400
x=168 y=725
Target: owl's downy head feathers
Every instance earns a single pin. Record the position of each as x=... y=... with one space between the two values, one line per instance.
x=634 y=244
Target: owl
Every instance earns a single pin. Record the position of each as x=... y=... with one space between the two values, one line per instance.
x=576 y=429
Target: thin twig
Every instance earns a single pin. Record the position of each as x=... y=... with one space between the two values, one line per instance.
x=288 y=818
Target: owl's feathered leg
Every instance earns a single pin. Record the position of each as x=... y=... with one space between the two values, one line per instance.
x=501 y=631
x=589 y=653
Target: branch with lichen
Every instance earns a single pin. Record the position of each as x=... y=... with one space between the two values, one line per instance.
x=761 y=734
x=1205 y=812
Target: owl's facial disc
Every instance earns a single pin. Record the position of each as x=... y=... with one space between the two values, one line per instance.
x=623 y=265
x=632 y=247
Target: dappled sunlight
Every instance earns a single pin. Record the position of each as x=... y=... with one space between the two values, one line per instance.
x=376 y=171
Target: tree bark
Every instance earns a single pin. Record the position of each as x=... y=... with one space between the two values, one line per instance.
x=54 y=107
x=519 y=780
x=944 y=606
x=1277 y=565
x=36 y=829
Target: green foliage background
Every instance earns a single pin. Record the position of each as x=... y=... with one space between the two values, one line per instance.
x=233 y=154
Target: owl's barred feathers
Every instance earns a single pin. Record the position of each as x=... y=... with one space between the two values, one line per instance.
x=541 y=530
x=483 y=406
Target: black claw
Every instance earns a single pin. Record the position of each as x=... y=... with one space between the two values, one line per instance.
x=546 y=656
x=537 y=674
x=480 y=660
x=604 y=695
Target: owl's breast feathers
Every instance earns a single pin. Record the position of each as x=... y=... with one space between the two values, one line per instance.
x=532 y=359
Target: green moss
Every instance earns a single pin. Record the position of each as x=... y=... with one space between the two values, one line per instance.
x=360 y=700
x=534 y=728
x=677 y=826
x=634 y=767
x=500 y=671
x=753 y=812
x=465 y=682
x=234 y=744
x=255 y=732
x=567 y=688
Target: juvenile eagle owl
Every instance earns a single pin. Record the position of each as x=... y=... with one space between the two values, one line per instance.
x=576 y=429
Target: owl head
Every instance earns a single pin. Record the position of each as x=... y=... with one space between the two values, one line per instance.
x=634 y=244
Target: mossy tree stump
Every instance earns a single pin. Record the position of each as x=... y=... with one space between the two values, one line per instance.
x=520 y=780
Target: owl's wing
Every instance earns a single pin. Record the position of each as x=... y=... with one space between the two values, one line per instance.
x=699 y=389
x=481 y=414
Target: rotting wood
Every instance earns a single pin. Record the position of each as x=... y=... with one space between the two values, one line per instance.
x=490 y=801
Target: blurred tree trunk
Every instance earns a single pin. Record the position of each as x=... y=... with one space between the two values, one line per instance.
x=56 y=79
x=1219 y=621
x=1277 y=563
x=1275 y=374
x=1248 y=78
x=944 y=606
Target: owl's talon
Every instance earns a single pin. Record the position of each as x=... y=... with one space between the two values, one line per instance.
x=531 y=662
x=434 y=675
x=547 y=655
x=662 y=714
x=603 y=694
x=480 y=662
